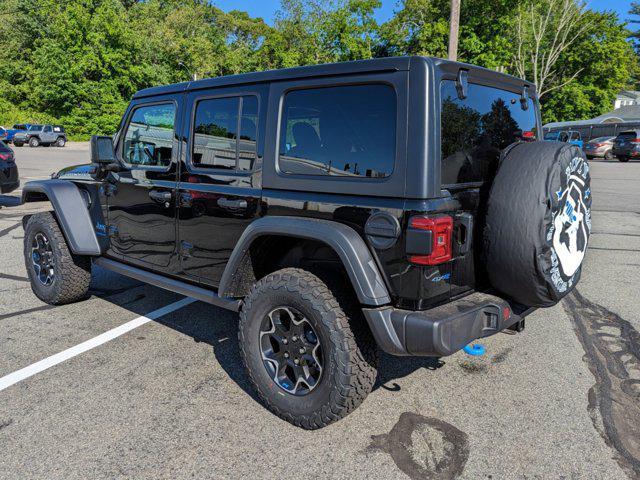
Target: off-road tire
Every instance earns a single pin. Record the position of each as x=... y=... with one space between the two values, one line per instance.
x=608 y=155
x=60 y=142
x=34 y=142
x=349 y=351
x=623 y=159
x=72 y=273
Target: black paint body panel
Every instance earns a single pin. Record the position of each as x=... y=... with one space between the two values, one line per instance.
x=193 y=236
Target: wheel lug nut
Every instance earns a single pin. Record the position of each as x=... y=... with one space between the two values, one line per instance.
x=285 y=341
x=286 y=354
x=294 y=338
x=296 y=361
x=302 y=350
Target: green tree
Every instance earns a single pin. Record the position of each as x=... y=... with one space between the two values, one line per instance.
x=606 y=62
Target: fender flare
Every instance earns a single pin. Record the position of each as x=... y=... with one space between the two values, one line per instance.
x=70 y=207
x=356 y=257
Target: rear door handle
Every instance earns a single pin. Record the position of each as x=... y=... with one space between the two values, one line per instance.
x=160 y=196
x=236 y=204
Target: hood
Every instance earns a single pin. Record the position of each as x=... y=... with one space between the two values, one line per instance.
x=76 y=172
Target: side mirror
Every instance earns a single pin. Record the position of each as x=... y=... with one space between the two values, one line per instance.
x=102 y=151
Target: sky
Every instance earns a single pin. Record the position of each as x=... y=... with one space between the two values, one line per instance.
x=267 y=8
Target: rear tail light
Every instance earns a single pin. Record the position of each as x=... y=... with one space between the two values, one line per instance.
x=441 y=229
x=5 y=156
x=528 y=135
x=635 y=140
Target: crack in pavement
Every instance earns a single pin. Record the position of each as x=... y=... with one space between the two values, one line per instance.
x=612 y=353
x=425 y=448
x=26 y=310
x=9 y=229
x=13 y=277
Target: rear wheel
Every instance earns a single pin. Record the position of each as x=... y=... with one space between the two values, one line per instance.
x=57 y=276
x=623 y=159
x=608 y=155
x=310 y=357
x=34 y=142
x=17 y=144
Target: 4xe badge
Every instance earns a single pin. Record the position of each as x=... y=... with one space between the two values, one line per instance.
x=440 y=278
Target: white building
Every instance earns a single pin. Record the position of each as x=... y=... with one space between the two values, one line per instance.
x=626 y=98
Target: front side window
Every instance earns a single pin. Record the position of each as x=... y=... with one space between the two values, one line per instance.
x=225 y=133
x=148 y=140
x=347 y=131
x=474 y=130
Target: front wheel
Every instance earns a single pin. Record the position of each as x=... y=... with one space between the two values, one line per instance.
x=623 y=159
x=310 y=357
x=608 y=155
x=34 y=142
x=60 y=142
x=57 y=276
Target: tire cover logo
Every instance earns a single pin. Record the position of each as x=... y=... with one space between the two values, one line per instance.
x=571 y=225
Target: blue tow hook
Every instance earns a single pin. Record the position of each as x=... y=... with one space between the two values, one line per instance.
x=475 y=350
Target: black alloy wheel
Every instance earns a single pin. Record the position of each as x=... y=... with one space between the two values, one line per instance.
x=291 y=350
x=42 y=259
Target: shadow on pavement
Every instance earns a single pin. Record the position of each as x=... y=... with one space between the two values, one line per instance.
x=218 y=328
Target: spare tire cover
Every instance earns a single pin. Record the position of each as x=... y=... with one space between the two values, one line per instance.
x=538 y=221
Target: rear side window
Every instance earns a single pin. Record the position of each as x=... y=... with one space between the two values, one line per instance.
x=347 y=131
x=225 y=133
x=148 y=140
x=474 y=130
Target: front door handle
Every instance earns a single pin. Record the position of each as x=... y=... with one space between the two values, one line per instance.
x=234 y=204
x=160 y=196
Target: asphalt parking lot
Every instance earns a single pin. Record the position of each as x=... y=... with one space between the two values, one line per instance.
x=170 y=399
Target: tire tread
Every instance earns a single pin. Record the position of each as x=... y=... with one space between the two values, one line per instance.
x=355 y=359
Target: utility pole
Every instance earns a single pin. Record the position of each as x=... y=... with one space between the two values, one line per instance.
x=454 y=25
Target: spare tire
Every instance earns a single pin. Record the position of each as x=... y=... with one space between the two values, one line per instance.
x=538 y=221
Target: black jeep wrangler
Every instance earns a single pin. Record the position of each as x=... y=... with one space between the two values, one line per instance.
x=394 y=204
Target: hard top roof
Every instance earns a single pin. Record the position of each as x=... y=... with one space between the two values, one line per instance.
x=324 y=70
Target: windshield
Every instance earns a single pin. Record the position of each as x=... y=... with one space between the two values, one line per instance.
x=35 y=128
x=551 y=136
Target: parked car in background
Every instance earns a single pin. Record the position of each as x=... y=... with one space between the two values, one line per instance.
x=9 y=179
x=3 y=135
x=600 y=147
x=37 y=135
x=18 y=127
x=627 y=145
x=570 y=136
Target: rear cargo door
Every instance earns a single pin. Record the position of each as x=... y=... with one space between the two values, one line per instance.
x=475 y=128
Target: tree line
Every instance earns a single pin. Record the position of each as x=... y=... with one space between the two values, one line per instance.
x=78 y=62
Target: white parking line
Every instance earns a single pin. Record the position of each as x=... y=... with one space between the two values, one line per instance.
x=19 y=375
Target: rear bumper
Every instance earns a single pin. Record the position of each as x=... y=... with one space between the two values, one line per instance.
x=443 y=330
